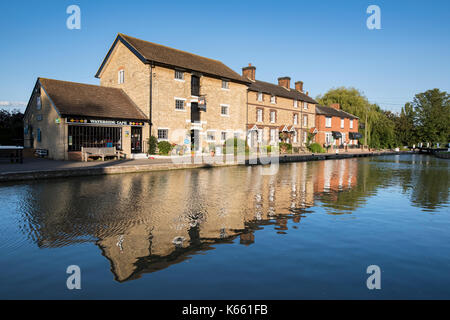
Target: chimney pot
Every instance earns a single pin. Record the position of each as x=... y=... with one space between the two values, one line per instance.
x=284 y=82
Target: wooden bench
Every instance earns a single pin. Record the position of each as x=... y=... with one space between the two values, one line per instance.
x=100 y=152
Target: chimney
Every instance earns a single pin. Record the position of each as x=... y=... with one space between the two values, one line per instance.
x=336 y=106
x=307 y=93
x=249 y=72
x=285 y=82
x=299 y=86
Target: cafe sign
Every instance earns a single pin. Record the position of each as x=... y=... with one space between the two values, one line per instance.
x=103 y=122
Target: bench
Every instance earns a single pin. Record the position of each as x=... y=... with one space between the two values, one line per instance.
x=100 y=152
x=41 y=153
x=13 y=154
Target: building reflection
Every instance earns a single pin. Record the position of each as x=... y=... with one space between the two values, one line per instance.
x=143 y=223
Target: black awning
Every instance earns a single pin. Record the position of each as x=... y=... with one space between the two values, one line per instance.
x=337 y=134
x=354 y=135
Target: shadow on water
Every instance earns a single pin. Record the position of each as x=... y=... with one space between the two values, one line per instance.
x=147 y=222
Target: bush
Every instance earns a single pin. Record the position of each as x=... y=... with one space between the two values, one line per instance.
x=164 y=147
x=316 y=148
x=285 y=147
x=152 y=144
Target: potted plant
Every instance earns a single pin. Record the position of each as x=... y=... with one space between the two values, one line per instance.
x=212 y=149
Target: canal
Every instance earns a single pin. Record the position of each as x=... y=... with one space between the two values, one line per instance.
x=308 y=231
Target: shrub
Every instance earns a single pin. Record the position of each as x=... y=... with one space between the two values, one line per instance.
x=164 y=147
x=285 y=147
x=316 y=148
x=152 y=144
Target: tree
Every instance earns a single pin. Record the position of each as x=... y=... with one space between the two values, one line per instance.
x=405 y=129
x=432 y=116
x=11 y=127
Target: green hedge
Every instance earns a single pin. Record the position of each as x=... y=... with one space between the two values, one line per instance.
x=164 y=147
x=316 y=148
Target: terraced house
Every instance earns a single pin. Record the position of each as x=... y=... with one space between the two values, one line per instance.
x=277 y=112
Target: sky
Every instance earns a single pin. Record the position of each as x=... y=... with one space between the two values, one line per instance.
x=325 y=44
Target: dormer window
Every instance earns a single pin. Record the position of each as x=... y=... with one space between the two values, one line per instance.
x=273 y=99
x=121 y=76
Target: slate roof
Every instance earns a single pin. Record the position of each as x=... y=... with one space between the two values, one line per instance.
x=166 y=56
x=77 y=99
x=276 y=90
x=332 y=112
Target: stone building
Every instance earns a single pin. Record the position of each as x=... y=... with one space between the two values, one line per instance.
x=277 y=112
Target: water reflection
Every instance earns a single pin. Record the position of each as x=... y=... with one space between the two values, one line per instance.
x=147 y=222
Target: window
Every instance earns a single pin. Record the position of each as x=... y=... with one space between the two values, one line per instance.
x=224 y=110
x=328 y=122
x=295 y=118
x=121 y=77
x=273 y=116
x=305 y=105
x=179 y=104
x=38 y=103
x=237 y=135
x=39 y=135
x=259 y=115
x=260 y=135
x=223 y=136
x=273 y=99
x=343 y=138
x=210 y=136
x=93 y=137
x=295 y=136
x=163 y=134
x=305 y=120
x=260 y=96
x=195 y=86
x=351 y=124
x=225 y=84
x=273 y=135
x=305 y=136
x=342 y=123
x=39 y=117
x=295 y=103
x=328 y=138
x=179 y=75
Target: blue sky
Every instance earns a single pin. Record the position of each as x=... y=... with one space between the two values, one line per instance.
x=326 y=44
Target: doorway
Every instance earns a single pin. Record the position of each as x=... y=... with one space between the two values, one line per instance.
x=136 y=140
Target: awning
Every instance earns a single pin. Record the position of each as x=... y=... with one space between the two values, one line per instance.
x=354 y=135
x=337 y=134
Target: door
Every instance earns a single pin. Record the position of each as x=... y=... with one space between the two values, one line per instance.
x=195 y=140
x=136 y=140
x=195 y=113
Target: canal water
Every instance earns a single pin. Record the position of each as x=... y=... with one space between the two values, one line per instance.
x=308 y=231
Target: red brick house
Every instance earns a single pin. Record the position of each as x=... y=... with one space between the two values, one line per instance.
x=335 y=127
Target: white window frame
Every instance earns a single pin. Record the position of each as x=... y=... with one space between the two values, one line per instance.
x=184 y=104
x=305 y=136
x=305 y=105
x=342 y=123
x=273 y=136
x=273 y=99
x=213 y=132
x=179 y=72
x=121 y=76
x=163 y=129
x=295 y=136
x=227 y=108
x=327 y=122
x=295 y=118
x=221 y=136
x=295 y=103
x=274 y=114
x=226 y=83
x=305 y=120
x=328 y=138
x=260 y=96
x=351 y=123
x=259 y=115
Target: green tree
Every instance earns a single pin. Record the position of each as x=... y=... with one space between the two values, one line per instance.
x=432 y=110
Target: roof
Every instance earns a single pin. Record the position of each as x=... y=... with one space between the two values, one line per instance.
x=277 y=90
x=332 y=112
x=166 y=56
x=77 y=99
